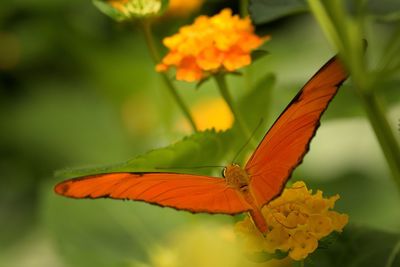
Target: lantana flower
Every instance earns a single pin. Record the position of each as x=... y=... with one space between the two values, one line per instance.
x=297 y=220
x=222 y=43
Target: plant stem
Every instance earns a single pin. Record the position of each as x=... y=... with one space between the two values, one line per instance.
x=393 y=254
x=223 y=89
x=148 y=35
x=244 y=12
x=244 y=8
x=383 y=132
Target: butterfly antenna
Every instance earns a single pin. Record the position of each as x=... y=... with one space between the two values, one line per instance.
x=188 y=167
x=248 y=140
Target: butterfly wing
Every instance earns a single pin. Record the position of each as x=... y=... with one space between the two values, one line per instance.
x=192 y=193
x=285 y=144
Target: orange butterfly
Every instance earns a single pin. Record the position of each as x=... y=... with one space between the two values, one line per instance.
x=242 y=190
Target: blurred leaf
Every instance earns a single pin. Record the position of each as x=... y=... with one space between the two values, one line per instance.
x=388 y=10
x=107 y=9
x=202 y=81
x=235 y=73
x=263 y=256
x=389 y=60
x=263 y=11
x=258 y=54
x=327 y=241
x=255 y=105
x=200 y=149
x=359 y=246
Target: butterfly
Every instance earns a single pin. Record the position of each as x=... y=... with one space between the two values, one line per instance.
x=241 y=190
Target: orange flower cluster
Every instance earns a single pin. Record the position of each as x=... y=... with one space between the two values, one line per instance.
x=297 y=220
x=211 y=44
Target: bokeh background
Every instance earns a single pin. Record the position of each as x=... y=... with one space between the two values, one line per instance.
x=78 y=89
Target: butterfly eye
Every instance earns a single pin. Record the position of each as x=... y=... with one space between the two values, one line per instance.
x=223 y=172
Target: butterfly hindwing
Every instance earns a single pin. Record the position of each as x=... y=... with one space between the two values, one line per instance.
x=285 y=144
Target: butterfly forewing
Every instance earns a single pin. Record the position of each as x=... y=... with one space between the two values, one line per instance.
x=285 y=144
x=193 y=193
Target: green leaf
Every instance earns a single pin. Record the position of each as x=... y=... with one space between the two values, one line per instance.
x=359 y=246
x=258 y=54
x=200 y=149
x=329 y=240
x=263 y=256
x=109 y=10
x=387 y=10
x=263 y=11
x=235 y=73
x=255 y=105
x=202 y=81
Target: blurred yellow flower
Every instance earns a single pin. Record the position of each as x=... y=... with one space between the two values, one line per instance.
x=207 y=245
x=211 y=113
x=211 y=44
x=297 y=220
x=183 y=8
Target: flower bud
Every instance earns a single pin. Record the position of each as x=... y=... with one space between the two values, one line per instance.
x=122 y=10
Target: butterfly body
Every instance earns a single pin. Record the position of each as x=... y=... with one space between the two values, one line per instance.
x=242 y=190
x=237 y=178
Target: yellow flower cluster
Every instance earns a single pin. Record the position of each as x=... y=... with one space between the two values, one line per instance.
x=297 y=220
x=211 y=44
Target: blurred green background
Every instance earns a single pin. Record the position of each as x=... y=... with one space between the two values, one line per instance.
x=78 y=89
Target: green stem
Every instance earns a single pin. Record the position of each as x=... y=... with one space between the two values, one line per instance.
x=223 y=89
x=393 y=254
x=146 y=27
x=244 y=8
x=383 y=132
x=318 y=10
x=244 y=12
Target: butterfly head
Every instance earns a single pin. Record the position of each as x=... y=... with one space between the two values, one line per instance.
x=235 y=176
